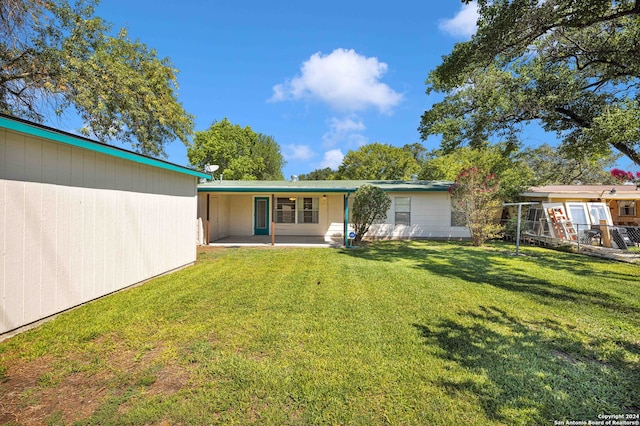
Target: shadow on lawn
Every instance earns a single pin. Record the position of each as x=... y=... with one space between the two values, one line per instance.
x=489 y=266
x=521 y=375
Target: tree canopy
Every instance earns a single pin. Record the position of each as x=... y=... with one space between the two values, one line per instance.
x=319 y=174
x=519 y=169
x=379 y=161
x=240 y=152
x=55 y=56
x=550 y=166
x=571 y=66
x=499 y=160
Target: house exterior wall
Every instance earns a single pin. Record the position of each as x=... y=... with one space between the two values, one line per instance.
x=335 y=218
x=77 y=224
x=430 y=218
x=240 y=215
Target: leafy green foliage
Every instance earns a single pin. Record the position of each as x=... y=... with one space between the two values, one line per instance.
x=551 y=166
x=240 y=152
x=515 y=176
x=476 y=196
x=379 y=161
x=520 y=169
x=53 y=54
x=370 y=204
x=319 y=174
x=570 y=66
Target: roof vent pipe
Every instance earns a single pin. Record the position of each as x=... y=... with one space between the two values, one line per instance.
x=414 y=178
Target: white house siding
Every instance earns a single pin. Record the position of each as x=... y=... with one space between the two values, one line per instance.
x=430 y=218
x=219 y=216
x=76 y=225
x=335 y=218
x=240 y=215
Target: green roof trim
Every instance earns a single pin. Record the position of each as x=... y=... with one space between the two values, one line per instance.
x=33 y=129
x=322 y=186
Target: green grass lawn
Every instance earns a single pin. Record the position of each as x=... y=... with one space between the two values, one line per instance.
x=393 y=333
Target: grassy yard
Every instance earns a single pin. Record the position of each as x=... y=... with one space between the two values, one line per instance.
x=394 y=333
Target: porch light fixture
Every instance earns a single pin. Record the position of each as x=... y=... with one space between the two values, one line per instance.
x=292 y=198
x=612 y=191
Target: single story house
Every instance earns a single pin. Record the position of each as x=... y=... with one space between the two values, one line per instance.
x=80 y=219
x=623 y=201
x=419 y=209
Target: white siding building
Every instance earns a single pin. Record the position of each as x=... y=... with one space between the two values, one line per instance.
x=80 y=219
x=419 y=209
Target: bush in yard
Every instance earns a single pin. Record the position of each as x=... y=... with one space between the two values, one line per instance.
x=475 y=197
x=370 y=203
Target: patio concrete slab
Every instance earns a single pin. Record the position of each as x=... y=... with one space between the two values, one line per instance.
x=280 y=241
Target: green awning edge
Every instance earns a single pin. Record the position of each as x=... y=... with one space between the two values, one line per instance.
x=37 y=130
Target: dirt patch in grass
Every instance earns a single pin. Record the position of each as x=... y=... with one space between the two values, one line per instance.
x=70 y=389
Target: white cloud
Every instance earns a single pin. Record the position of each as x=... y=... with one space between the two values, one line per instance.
x=332 y=159
x=343 y=79
x=344 y=130
x=464 y=24
x=297 y=152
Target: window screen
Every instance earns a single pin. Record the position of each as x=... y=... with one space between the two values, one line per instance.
x=403 y=211
x=308 y=210
x=285 y=210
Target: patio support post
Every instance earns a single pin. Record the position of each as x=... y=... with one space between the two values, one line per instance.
x=206 y=236
x=346 y=219
x=273 y=219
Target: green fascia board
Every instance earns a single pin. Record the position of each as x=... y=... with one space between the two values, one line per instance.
x=37 y=130
x=273 y=190
x=327 y=186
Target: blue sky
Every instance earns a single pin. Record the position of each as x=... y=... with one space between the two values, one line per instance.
x=320 y=78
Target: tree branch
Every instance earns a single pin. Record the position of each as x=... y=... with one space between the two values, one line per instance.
x=575 y=118
x=628 y=151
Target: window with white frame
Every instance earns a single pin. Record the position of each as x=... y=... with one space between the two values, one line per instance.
x=402 y=211
x=627 y=208
x=308 y=209
x=286 y=210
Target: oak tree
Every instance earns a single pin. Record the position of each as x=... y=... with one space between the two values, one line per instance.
x=241 y=153
x=56 y=56
x=570 y=66
x=378 y=161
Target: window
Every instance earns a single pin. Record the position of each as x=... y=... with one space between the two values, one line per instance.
x=578 y=214
x=598 y=212
x=285 y=210
x=403 y=210
x=308 y=210
x=627 y=208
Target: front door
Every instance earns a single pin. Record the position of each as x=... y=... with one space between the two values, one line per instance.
x=261 y=219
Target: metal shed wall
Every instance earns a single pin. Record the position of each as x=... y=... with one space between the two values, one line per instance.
x=77 y=224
